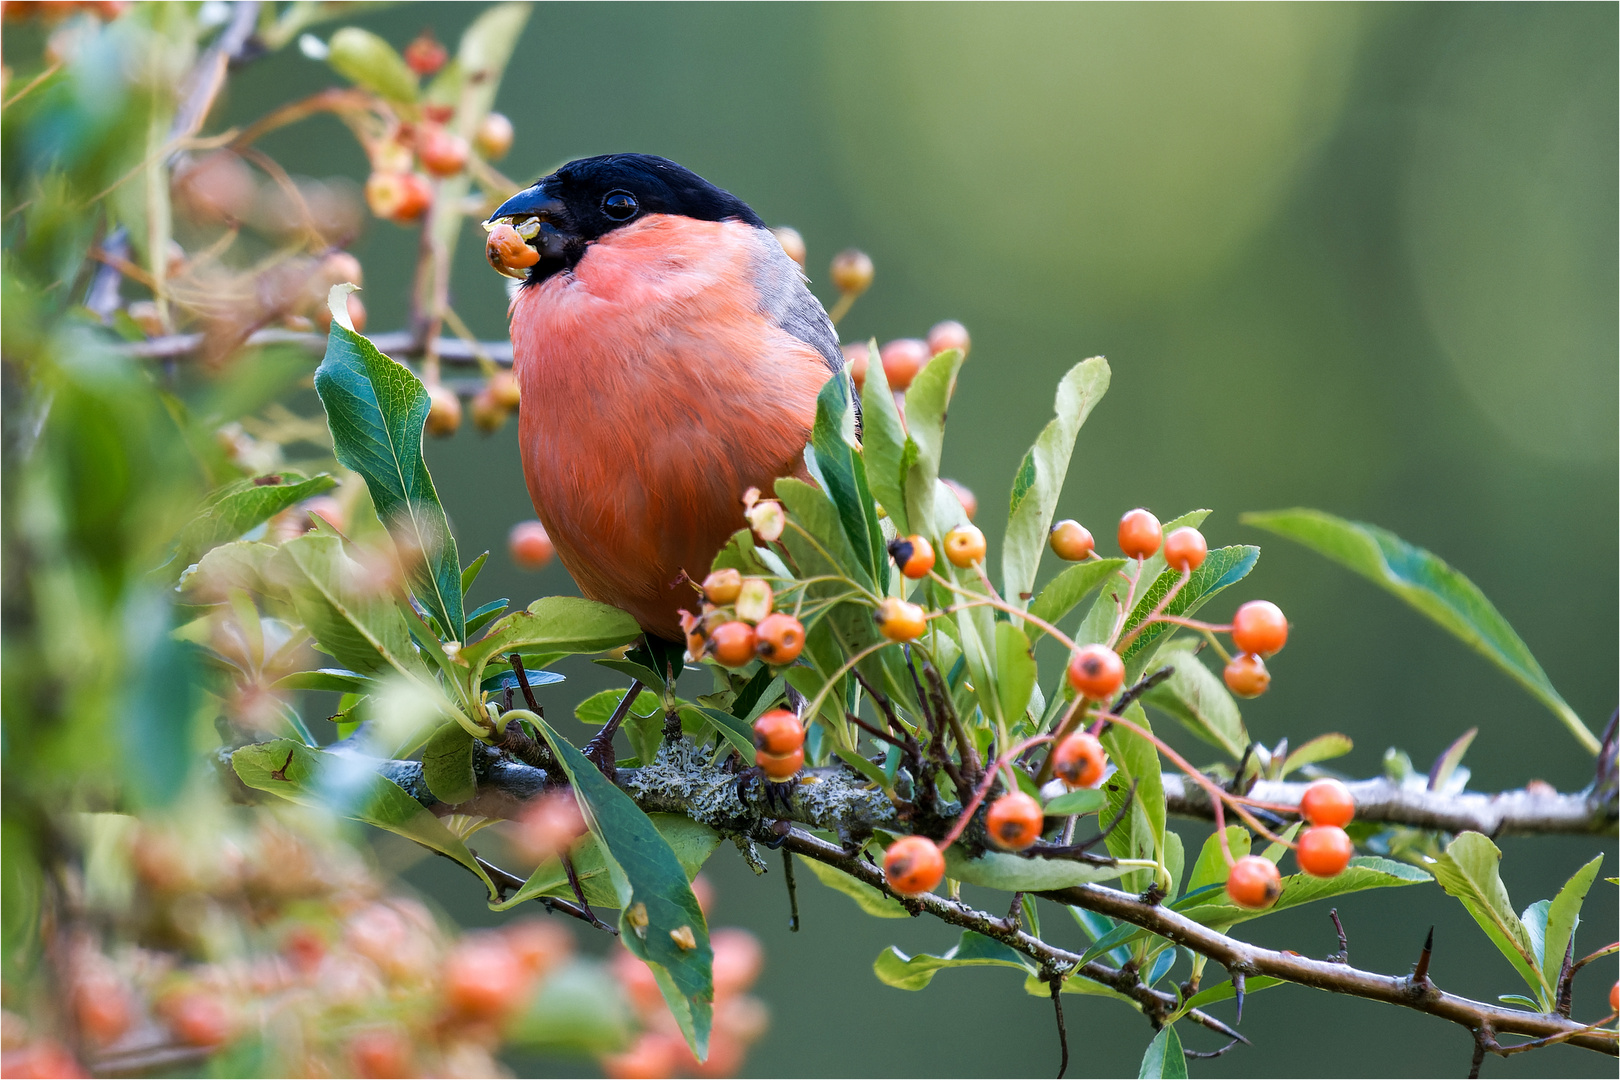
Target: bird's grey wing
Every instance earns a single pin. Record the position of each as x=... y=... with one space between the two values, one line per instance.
x=786 y=299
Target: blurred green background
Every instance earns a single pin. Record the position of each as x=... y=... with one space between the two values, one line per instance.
x=1357 y=258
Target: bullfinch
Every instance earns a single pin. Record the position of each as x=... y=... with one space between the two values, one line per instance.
x=669 y=355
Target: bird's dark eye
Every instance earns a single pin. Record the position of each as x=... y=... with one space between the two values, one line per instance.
x=620 y=205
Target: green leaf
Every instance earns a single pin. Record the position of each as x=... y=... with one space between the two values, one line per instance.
x=1445 y=766
x=1063 y=592
x=1222 y=568
x=1035 y=986
x=553 y=624
x=1520 y=1000
x=346 y=785
x=156 y=728
x=648 y=878
x=1136 y=759
x=1322 y=748
x=737 y=733
x=1016 y=873
x=470 y=573
x=1200 y=701
x=335 y=680
x=1426 y=583
x=368 y=61
x=643 y=674
x=927 y=400
x=884 y=446
x=844 y=474
x=376 y=408
x=894 y=968
x=364 y=630
x=598 y=708
x=1226 y=991
x=1468 y=871
x=447 y=764
x=1564 y=914
x=237 y=507
x=1015 y=670
x=1041 y=474
x=1364 y=872
x=1083 y=801
x=1211 y=868
x=578 y=1009
x=871 y=900
x=1164 y=1057
x=691 y=841
x=831 y=551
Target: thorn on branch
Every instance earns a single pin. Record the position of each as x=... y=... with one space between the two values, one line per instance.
x=523 y=684
x=1207 y=1054
x=579 y=894
x=1238 y=988
x=281 y=773
x=1420 y=980
x=1343 y=955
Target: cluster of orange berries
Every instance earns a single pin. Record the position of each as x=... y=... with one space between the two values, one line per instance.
x=737 y=623
x=901 y=620
x=903 y=358
x=1323 y=850
x=496 y=400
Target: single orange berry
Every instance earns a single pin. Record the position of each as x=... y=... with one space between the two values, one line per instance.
x=441 y=152
x=1260 y=627
x=722 y=586
x=1185 y=549
x=857 y=355
x=1096 y=672
x=1254 y=882
x=779 y=638
x=1246 y=675
x=1140 y=534
x=913 y=865
x=964 y=495
x=1079 y=760
x=401 y=197
x=780 y=768
x=949 y=334
x=964 y=545
x=380 y=1053
x=503 y=387
x=1327 y=802
x=914 y=555
x=425 y=55
x=494 y=136
x=1071 y=540
x=1614 y=998
x=1324 y=851
x=1014 y=821
x=199 y=1018
x=732 y=643
x=899 y=620
x=852 y=271
x=902 y=359
x=530 y=545
x=778 y=732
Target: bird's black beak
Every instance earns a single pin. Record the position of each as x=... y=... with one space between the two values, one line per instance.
x=540 y=218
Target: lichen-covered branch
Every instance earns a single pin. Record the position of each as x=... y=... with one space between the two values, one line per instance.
x=1523 y=812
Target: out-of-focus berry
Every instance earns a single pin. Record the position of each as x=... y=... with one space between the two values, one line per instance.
x=425 y=55
x=969 y=501
x=482 y=979
x=400 y=197
x=549 y=826
x=218 y=187
x=949 y=334
x=767 y=519
x=199 y=1018
x=530 y=545
x=381 y=1052
x=857 y=354
x=444 y=411
x=852 y=271
x=441 y=152
x=754 y=599
x=902 y=359
x=488 y=412
x=791 y=242
x=494 y=136
x=738 y=960
x=503 y=388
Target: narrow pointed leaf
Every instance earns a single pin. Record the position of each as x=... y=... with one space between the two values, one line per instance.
x=844 y=475
x=1428 y=584
x=1322 y=748
x=1063 y=592
x=1226 y=991
x=691 y=841
x=1015 y=873
x=884 y=445
x=927 y=400
x=554 y=624
x=376 y=408
x=1040 y=476
x=1564 y=914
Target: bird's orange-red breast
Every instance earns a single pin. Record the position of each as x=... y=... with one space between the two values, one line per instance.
x=670 y=355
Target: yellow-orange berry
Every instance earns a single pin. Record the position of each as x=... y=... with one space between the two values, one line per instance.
x=530 y=545
x=778 y=732
x=964 y=545
x=1254 y=882
x=780 y=767
x=722 y=586
x=1140 y=534
x=779 y=638
x=1185 y=549
x=732 y=643
x=1014 y=821
x=902 y=359
x=493 y=137
x=913 y=865
x=900 y=620
x=1079 y=760
x=914 y=555
x=488 y=412
x=1259 y=627
x=444 y=411
x=1246 y=675
x=1324 y=851
x=1096 y=672
x=852 y=271
x=1327 y=802
x=1071 y=540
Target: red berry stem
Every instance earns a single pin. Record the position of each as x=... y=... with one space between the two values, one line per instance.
x=1004 y=762
x=1158 y=610
x=1125 y=608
